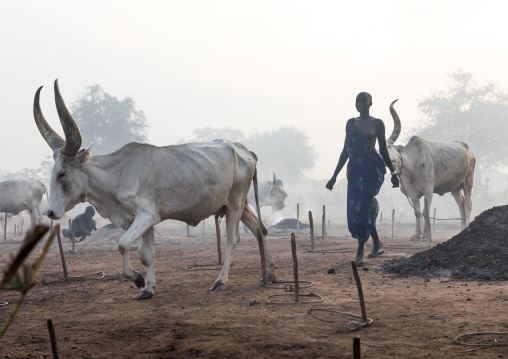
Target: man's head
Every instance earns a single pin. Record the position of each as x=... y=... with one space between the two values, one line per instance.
x=363 y=101
x=90 y=211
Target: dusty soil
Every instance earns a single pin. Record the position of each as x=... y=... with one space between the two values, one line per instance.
x=412 y=317
x=479 y=252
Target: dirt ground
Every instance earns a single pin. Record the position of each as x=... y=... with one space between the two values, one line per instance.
x=412 y=317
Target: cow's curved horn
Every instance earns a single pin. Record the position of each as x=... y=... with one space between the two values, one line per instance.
x=52 y=138
x=274 y=179
x=396 y=125
x=71 y=130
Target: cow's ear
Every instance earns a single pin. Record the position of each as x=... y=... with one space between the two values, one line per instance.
x=400 y=148
x=83 y=155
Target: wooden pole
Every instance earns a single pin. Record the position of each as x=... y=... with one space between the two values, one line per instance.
x=298 y=218
x=62 y=256
x=203 y=227
x=360 y=291
x=52 y=338
x=188 y=233
x=393 y=220
x=434 y=221
x=324 y=221
x=51 y=227
x=16 y=228
x=295 y=267
x=311 y=223
x=73 y=236
x=217 y=231
x=356 y=347
x=262 y=253
x=5 y=226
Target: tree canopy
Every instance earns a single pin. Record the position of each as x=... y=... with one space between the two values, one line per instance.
x=285 y=151
x=468 y=111
x=106 y=121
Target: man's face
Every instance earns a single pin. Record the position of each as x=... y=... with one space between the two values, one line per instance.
x=363 y=102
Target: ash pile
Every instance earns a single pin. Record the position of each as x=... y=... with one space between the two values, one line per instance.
x=289 y=223
x=480 y=252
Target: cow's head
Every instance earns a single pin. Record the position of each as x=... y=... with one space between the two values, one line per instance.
x=394 y=151
x=68 y=180
x=276 y=194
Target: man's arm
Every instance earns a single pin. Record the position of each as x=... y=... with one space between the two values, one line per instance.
x=381 y=138
x=342 y=160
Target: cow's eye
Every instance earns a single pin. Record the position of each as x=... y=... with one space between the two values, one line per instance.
x=60 y=175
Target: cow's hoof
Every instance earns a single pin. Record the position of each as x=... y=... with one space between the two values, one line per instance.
x=359 y=263
x=140 y=281
x=271 y=278
x=218 y=287
x=415 y=237
x=143 y=295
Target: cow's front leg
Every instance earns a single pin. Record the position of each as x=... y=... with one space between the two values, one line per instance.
x=426 y=216
x=233 y=237
x=418 y=230
x=141 y=224
x=359 y=253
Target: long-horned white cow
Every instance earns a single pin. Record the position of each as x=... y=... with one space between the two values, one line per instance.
x=432 y=167
x=271 y=193
x=141 y=185
x=20 y=195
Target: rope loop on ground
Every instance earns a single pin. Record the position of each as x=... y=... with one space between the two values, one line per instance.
x=289 y=286
x=196 y=267
x=99 y=275
x=350 y=324
x=489 y=342
x=305 y=295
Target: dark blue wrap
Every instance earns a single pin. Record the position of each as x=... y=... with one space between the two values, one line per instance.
x=366 y=173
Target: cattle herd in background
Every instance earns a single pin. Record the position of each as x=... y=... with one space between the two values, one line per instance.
x=136 y=187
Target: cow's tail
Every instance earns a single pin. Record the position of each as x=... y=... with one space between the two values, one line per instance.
x=255 y=183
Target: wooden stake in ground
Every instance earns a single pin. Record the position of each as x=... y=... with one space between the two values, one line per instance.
x=188 y=233
x=434 y=221
x=263 y=259
x=62 y=256
x=360 y=291
x=356 y=347
x=5 y=226
x=298 y=218
x=52 y=338
x=311 y=223
x=393 y=220
x=324 y=222
x=217 y=231
x=73 y=236
x=16 y=228
x=295 y=266
x=203 y=227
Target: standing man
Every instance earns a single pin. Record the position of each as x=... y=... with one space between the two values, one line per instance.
x=365 y=174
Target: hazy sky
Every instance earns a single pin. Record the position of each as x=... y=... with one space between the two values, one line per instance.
x=251 y=65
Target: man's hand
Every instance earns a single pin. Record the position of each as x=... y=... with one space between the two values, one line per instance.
x=395 y=181
x=330 y=183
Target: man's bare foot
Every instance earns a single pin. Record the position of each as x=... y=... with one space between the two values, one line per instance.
x=377 y=253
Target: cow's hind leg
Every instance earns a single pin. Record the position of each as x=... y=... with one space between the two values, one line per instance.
x=146 y=254
x=141 y=224
x=459 y=199
x=233 y=237
x=251 y=221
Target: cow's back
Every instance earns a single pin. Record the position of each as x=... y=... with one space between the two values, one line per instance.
x=18 y=195
x=190 y=181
